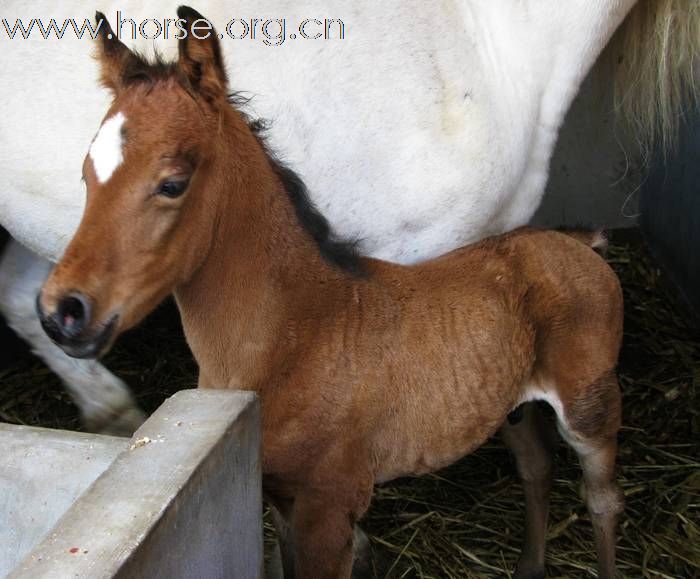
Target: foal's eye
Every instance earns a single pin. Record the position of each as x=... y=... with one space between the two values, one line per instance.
x=172 y=189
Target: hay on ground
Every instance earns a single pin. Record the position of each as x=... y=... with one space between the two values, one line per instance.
x=467 y=520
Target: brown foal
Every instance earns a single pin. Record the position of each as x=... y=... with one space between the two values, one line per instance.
x=366 y=370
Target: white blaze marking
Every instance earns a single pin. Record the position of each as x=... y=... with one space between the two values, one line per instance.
x=106 y=149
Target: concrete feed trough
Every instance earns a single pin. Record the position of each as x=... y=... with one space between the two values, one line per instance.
x=182 y=498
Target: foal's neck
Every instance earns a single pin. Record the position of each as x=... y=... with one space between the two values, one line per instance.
x=263 y=271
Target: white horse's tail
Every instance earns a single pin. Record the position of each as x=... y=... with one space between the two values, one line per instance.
x=656 y=59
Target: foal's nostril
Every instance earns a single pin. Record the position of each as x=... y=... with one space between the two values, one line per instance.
x=73 y=314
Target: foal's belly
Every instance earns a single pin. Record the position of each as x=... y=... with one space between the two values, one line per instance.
x=425 y=434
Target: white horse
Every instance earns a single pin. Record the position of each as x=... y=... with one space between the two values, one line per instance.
x=425 y=128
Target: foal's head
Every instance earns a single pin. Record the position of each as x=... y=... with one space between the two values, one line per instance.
x=154 y=176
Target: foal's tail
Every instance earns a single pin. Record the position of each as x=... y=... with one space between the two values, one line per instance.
x=596 y=240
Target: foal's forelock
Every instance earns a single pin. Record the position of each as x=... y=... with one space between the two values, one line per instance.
x=106 y=151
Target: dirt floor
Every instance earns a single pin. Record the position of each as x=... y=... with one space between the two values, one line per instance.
x=467 y=520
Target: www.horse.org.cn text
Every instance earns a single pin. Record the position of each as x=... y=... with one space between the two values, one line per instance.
x=269 y=31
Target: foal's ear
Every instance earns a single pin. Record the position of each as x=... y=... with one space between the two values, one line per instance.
x=200 y=55
x=114 y=57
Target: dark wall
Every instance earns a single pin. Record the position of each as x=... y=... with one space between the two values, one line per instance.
x=596 y=171
x=10 y=346
x=670 y=205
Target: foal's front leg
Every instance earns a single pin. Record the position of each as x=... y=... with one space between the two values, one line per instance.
x=282 y=566
x=323 y=524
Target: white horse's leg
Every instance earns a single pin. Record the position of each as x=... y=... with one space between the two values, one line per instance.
x=105 y=402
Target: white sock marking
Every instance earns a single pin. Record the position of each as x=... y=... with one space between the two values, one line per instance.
x=106 y=149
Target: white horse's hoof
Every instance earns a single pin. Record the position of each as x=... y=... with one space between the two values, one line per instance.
x=123 y=424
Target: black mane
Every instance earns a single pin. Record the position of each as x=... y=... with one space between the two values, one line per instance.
x=338 y=252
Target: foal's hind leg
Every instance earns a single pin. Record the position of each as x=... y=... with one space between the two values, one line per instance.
x=590 y=426
x=524 y=433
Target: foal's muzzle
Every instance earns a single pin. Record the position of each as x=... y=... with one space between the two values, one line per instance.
x=69 y=326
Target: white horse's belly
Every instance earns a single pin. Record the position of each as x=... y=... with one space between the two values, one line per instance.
x=405 y=146
x=410 y=172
